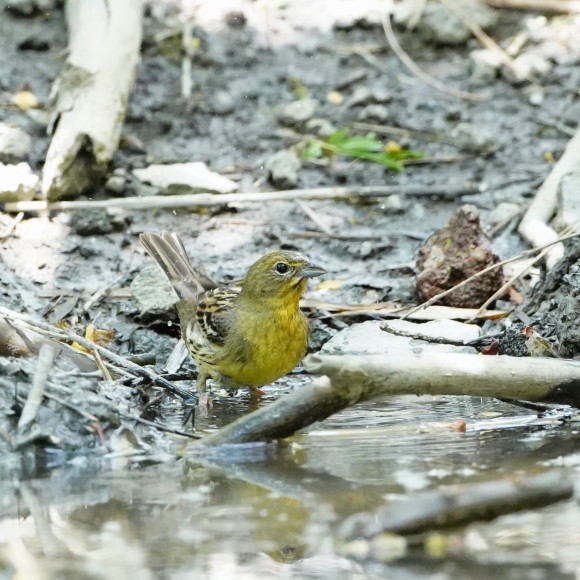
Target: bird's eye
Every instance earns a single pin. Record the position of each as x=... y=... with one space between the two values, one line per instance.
x=282 y=267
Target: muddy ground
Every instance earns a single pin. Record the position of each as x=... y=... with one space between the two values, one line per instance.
x=250 y=63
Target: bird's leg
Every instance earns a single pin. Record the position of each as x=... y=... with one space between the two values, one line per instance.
x=256 y=392
x=202 y=398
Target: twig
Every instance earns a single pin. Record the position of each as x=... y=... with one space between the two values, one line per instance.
x=159 y=427
x=34 y=400
x=537 y=5
x=210 y=200
x=389 y=130
x=312 y=215
x=100 y=293
x=12 y=226
x=501 y=291
x=479 y=33
x=485 y=271
x=60 y=334
x=410 y=64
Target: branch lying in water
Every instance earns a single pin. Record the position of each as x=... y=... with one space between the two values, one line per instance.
x=351 y=379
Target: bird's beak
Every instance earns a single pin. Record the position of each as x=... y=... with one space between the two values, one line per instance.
x=311 y=270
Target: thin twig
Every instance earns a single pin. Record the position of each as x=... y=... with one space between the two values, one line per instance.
x=479 y=33
x=390 y=130
x=12 y=226
x=100 y=293
x=486 y=271
x=418 y=72
x=34 y=400
x=501 y=291
x=314 y=217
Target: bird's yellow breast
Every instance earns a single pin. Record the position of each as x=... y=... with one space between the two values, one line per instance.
x=274 y=340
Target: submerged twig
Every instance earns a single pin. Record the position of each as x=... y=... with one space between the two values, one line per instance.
x=461 y=505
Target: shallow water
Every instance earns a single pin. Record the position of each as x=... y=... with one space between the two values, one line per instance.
x=275 y=511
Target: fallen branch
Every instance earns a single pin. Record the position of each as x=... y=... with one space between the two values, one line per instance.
x=351 y=379
x=534 y=225
x=92 y=92
x=461 y=505
x=211 y=200
x=557 y=6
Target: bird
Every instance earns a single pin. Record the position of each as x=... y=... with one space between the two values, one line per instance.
x=241 y=336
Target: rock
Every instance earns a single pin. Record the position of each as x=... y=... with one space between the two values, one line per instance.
x=369 y=96
x=222 y=103
x=440 y=26
x=298 y=112
x=378 y=113
x=116 y=182
x=503 y=213
x=472 y=139
x=91 y=222
x=177 y=177
x=393 y=205
x=15 y=144
x=454 y=253
x=153 y=292
x=320 y=127
x=485 y=66
x=235 y=19
x=368 y=338
x=17 y=182
x=526 y=67
x=282 y=168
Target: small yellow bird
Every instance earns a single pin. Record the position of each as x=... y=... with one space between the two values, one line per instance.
x=245 y=336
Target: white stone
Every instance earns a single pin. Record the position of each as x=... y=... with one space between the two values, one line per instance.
x=195 y=176
x=17 y=182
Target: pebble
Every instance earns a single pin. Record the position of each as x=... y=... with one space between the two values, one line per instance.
x=526 y=67
x=222 y=103
x=15 y=144
x=282 y=168
x=378 y=113
x=152 y=291
x=298 y=112
x=369 y=96
x=320 y=128
x=485 y=66
x=472 y=139
x=393 y=205
x=503 y=212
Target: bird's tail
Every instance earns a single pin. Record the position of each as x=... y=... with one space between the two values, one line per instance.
x=168 y=251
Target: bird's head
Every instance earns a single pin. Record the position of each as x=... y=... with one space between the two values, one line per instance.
x=280 y=275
